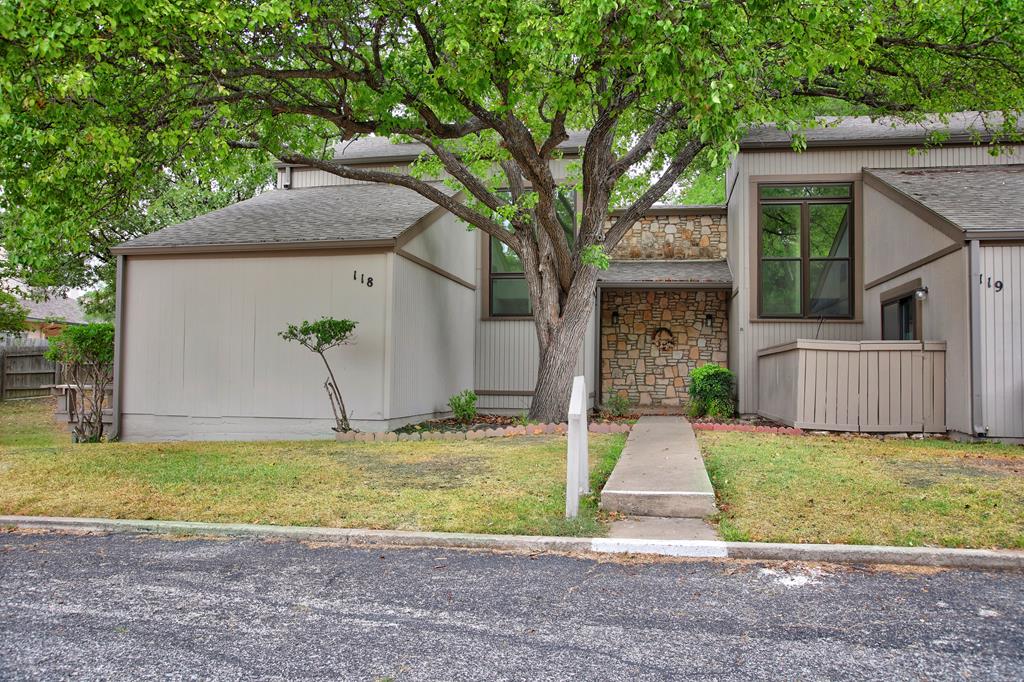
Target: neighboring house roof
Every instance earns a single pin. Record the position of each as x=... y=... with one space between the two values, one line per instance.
x=862 y=131
x=707 y=273
x=367 y=214
x=372 y=149
x=65 y=309
x=979 y=200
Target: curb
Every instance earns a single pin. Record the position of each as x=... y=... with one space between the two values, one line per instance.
x=936 y=557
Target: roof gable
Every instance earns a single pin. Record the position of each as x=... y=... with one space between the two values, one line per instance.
x=345 y=214
x=978 y=200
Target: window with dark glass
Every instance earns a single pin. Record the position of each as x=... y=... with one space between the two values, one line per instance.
x=806 y=251
x=509 y=296
x=899 y=319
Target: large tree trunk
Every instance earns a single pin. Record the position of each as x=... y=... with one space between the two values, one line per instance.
x=560 y=349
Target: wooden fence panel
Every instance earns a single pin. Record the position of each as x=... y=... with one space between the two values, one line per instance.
x=870 y=386
x=26 y=373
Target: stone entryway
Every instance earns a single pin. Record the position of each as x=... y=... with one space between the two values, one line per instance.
x=652 y=338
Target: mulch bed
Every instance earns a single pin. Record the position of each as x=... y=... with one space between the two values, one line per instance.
x=482 y=421
x=497 y=421
x=755 y=425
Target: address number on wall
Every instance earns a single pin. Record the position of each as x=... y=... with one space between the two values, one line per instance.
x=362 y=278
x=992 y=284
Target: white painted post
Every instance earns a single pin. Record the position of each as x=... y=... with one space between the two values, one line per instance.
x=577 y=471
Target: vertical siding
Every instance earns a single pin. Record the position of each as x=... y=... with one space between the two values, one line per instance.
x=202 y=355
x=433 y=340
x=314 y=177
x=868 y=386
x=1002 y=339
x=507 y=356
x=749 y=337
x=944 y=317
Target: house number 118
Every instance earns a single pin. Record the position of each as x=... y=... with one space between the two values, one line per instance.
x=362 y=278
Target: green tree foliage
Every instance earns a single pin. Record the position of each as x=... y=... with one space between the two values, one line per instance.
x=12 y=314
x=78 y=254
x=86 y=353
x=101 y=98
x=321 y=336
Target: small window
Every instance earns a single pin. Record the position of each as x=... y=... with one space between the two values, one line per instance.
x=900 y=319
x=509 y=295
x=806 y=251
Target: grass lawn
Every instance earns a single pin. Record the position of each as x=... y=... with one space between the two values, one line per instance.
x=866 y=491
x=514 y=485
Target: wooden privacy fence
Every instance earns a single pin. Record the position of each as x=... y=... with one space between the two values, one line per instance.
x=25 y=372
x=871 y=386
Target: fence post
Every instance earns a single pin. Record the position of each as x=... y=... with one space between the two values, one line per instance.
x=577 y=468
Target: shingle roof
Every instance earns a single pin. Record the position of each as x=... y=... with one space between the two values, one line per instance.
x=373 y=149
x=66 y=309
x=970 y=197
x=346 y=213
x=862 y=131
x=676 y=272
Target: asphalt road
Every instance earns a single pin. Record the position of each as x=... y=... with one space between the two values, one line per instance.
x=121 y=606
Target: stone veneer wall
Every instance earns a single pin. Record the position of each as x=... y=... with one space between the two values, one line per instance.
x=634 y=366
x=674 y=237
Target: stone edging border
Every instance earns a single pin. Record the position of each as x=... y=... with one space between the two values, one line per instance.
x=476 y=434
x=782 y=430
x=936 y=557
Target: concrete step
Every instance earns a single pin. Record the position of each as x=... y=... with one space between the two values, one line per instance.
x=660 y=473
x=661 y=528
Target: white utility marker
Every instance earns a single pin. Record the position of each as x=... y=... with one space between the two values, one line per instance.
x=577 y=470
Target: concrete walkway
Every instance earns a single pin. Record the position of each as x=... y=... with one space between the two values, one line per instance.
x=660 y=484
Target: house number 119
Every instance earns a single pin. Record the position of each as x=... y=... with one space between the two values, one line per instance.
x=362 y=278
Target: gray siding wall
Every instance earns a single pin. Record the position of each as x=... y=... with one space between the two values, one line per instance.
x=750 y=336
x=944 y=317
x=314 y=177
x=507 y=356
x=202 y=358
x=432 y=340
x=1002 y=340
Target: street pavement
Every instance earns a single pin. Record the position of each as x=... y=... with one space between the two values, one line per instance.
x=137 y=607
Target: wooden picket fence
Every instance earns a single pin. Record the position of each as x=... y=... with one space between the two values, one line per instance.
x=25 y=372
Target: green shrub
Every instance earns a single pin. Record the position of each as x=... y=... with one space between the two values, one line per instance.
x=711 y=392
x=86 y=355
x=616 y=405
x=463 y=406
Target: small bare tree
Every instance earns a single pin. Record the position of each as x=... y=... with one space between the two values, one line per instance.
x=321 y=336
x=86 y=353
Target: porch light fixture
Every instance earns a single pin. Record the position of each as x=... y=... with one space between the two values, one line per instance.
x=921 y=293
x=615 y=317
x=709 y=320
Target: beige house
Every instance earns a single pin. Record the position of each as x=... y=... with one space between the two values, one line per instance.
x=878 y=284
x=816 y=260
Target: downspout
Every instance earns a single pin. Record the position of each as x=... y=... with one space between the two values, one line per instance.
x=115 y=427
x=596 y=388
x=975 y=280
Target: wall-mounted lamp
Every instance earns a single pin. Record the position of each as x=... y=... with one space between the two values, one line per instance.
x=709 y=320
x=921 y=293
x=615 y=317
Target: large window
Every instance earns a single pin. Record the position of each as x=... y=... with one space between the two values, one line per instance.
x=508 y=293
x=806 y=251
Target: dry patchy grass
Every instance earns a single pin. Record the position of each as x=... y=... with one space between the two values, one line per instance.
x=866 y=491
x=513 y=485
